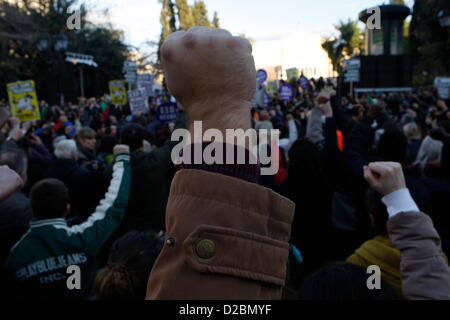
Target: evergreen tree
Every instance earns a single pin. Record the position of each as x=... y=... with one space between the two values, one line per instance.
x=429 y=42
x=215 y=22
x=200 y=14
x=185 y=15
x=20 y=59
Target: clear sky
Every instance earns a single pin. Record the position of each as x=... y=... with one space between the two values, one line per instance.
x=258 y=19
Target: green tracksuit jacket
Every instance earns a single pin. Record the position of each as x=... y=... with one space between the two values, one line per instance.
x=38 y=264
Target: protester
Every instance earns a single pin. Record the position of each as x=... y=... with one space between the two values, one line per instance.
x=37 y=265
x=86 y=188
x=151 y=174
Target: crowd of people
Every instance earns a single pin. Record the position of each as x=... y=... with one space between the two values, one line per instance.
x=93 y=185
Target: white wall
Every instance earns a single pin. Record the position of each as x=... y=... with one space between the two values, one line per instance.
x=299 y=50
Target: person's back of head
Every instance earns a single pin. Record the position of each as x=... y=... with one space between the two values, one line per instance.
x=49 y=199
x=304 y=159
x=344 y=281
x=130 y=262
x=66 y=149
x=16 y=160
x=133 y=135
x=393 y=146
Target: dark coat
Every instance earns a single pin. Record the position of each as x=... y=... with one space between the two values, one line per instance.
x=15 y=217
x=86 y=188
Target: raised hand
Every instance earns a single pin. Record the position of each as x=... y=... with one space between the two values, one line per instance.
x=212 y=74
x=10 y=182
x=385 y=177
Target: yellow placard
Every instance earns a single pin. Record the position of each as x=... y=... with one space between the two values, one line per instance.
x=118 y=92
x=271 y=89
x=23 y=100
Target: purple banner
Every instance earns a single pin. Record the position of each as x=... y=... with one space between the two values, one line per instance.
x=261 y=76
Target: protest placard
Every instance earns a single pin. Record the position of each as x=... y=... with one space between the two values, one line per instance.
x=442 y=85
x=167 y=112
x=304 y=82
x=138 y=101
x=286 y=92
x=23 y=100
x=118 y=92
x=130 y=71
x=261 y=76
x=292 y=73
x=352 y=69
x=145 y=82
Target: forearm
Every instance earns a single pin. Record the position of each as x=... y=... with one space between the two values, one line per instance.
x=425 y=274
x=109 y=213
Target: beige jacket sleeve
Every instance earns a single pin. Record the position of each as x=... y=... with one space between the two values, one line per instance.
x=425 y=274
x=226 y=239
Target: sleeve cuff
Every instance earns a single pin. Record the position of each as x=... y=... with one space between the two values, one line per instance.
x=399 y=201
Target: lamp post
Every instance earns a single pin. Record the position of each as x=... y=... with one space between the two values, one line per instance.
x=81 y=59
x=339 y=47
x=49 y=49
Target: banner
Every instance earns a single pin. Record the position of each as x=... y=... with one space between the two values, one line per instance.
x=304 y=82
x=286 y=92
x=261 y=76
x=138 y=101
x=167 y=112
x=118 y=92
x=145 y=82
x=23 y=100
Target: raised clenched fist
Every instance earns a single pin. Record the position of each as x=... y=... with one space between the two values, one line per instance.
x=385 y=177
x=212 y=74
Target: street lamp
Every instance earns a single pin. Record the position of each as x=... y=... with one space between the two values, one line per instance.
x=81 y=59
x=444 y=18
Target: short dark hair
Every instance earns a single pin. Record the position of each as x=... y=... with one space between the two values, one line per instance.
x=393 y=146
x=49 y=199
x=14 y=158
x=378 y=210
x=133 y=135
